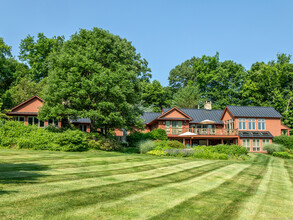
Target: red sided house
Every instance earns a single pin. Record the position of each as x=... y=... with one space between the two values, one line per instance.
x=251 y=127
x=27 y=113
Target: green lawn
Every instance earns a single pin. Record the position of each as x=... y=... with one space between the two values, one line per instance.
x=103 y=185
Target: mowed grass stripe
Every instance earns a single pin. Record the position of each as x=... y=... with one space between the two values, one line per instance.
x=92 y=172
x=150 y=202
x=45 y=189
x=275 y=196
x=52 y=160
x=72 y=163
x=223 y=201
x=60 y=171
x=69 y=199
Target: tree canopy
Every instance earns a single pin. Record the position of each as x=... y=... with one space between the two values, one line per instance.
x=187 y=97
x=98 y=75
x=36 y=52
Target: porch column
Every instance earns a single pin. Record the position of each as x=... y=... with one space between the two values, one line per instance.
x=88 y=130
x=207 y=142
x=184 y=141
x=25 y=120
x=59 y=124
x=222 y=141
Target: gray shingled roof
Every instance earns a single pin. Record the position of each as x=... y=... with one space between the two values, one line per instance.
x=80 y=120
x=149 y=116
x=199 y=115
x=254 y=134
x=254 y=111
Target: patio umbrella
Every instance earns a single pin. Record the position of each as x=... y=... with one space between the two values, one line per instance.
x=187 y=134
x=207 y=121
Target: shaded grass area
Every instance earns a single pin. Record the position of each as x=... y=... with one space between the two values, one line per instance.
x=59 y=185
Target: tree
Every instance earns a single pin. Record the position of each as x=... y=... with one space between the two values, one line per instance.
x=187 y=97
x=220 y=82
x=96 y=75
x=22 y=91
x=155 y=95
x=271 y=84
x=36 y=53
x=10 y=70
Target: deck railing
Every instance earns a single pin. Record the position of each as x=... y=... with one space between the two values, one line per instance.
x=202 y=131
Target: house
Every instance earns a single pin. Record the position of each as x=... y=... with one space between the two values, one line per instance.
x=251 y=127
x=27 y=113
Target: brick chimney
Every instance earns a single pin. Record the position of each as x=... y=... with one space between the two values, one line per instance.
x=208 y=105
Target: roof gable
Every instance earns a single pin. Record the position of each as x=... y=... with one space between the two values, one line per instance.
x=31 y=105
x=254 y=112
x=199 y=115
x=175 y=113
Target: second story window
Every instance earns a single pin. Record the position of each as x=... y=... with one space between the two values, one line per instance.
x=261 y=124
x=251 y=124
x=242 y=124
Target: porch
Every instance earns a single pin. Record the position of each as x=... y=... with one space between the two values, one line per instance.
x=202 y=131
x=200 y=141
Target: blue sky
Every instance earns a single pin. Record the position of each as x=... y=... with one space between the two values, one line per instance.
x=166 y=33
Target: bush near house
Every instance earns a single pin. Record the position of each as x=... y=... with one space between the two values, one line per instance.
x=284 y=155
x=136 y=137
x=286 y=141
x=271 y=148
x=168 y=144
x=218 y=152
x=14 y=134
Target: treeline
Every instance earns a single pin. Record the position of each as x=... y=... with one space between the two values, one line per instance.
x=99 y=75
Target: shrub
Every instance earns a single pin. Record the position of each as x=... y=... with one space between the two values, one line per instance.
x=286 y=141
x=95 y=145
x=284 y=155
x=158 y=134
x=179 y=152
x=157 y=152
x=271 y=148
x=234 y=149
x=110 y=145
x=206 y=153
x=146 y=146
x=135 y=137
x=164 y=145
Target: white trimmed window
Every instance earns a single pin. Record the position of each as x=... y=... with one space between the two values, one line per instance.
x=242 y=124
x=82 y=127
x=251 y=123
x=256 y=145
x=19 y=118
x=246 y=143
x=261 y=124
x=53 y=121
x=35 y=121
x=265 y=141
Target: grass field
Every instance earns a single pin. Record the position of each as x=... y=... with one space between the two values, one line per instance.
x=103 y=185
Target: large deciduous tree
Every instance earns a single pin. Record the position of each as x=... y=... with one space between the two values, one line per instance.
x=11 y=70
x=98 y=75
x=155 y=95
x=36 y=52
x=271 y=84
x=220 y=82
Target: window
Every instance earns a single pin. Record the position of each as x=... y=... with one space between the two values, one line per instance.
x=261 y=124
x=265 y=141
x=53 y=121
x=251 y=124
x=256 y=145
x=18 y=118
x=82 y=128
x=35 y=121
x=246 y=143
x=242 y=123
x=174 y=127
